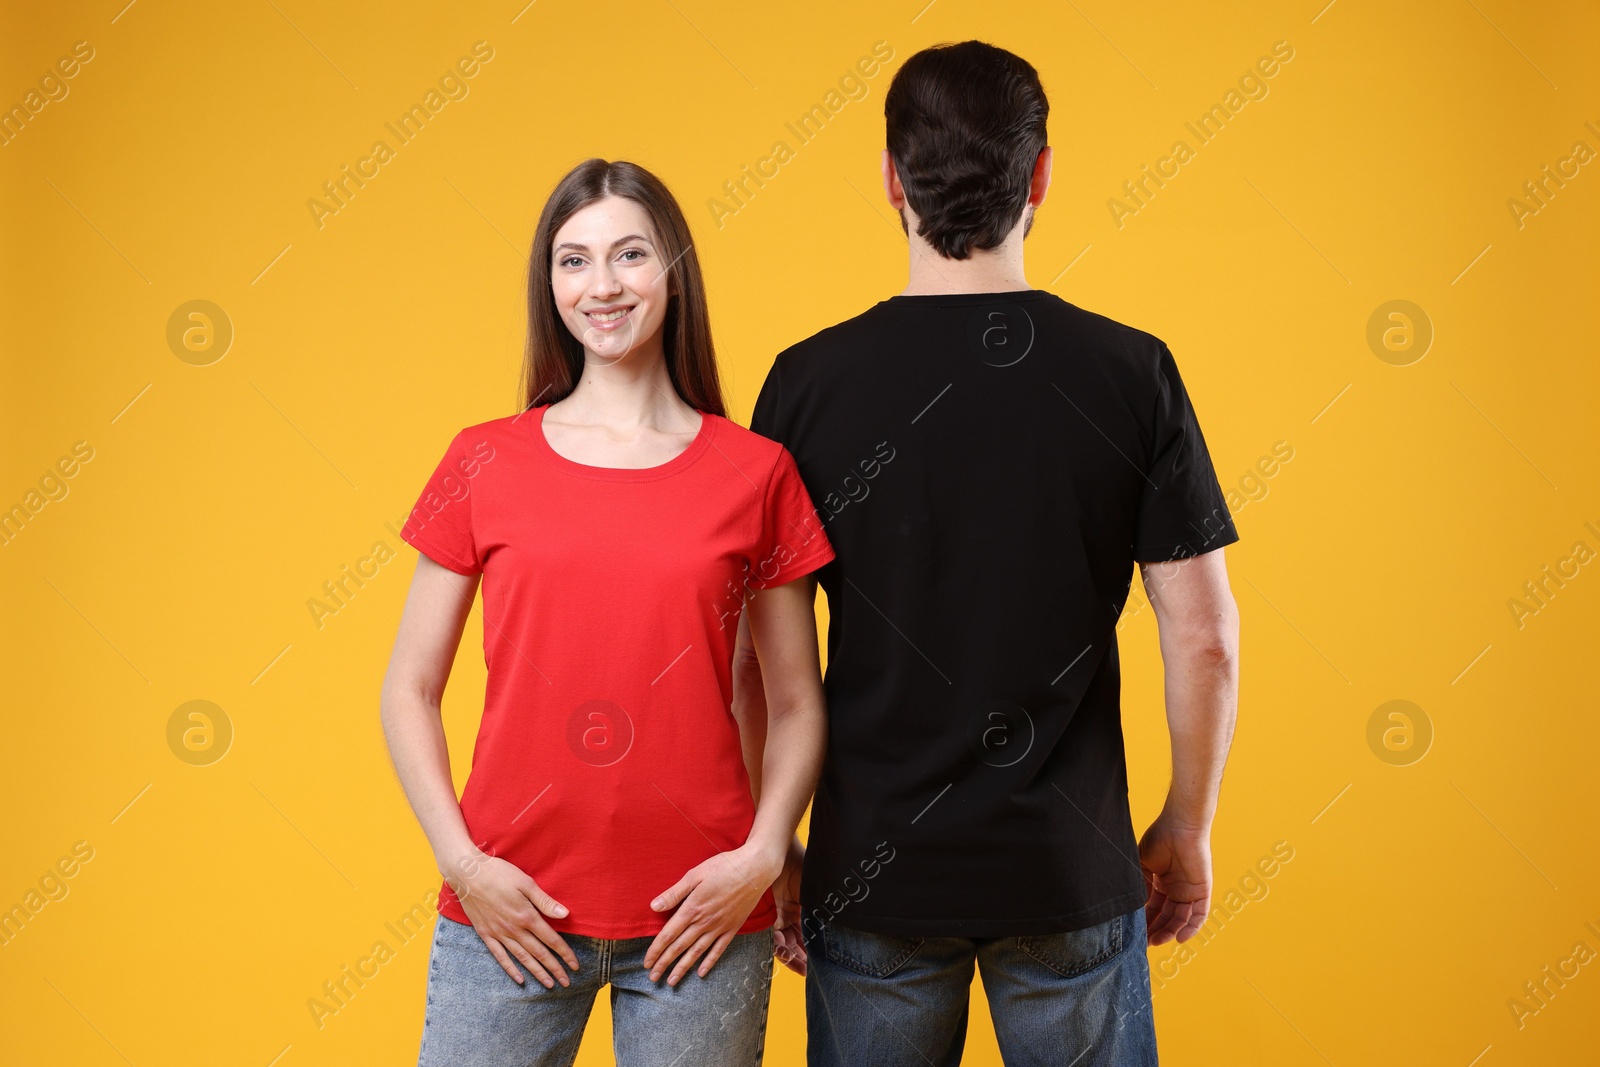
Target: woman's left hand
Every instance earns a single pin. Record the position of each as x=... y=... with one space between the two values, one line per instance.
x=713 y=900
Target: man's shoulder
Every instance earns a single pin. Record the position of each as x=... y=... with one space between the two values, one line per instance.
x=829 y=344
x=1060 y=319
x=1109 y=336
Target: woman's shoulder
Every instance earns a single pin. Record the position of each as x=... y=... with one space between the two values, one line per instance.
x=731 y=435
x=495 y=431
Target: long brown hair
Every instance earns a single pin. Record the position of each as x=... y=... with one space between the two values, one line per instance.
x=552 y=360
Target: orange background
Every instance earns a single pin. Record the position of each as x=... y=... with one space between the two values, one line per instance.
x=1429 y=881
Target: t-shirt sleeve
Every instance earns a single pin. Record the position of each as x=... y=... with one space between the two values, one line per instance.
x=1182 y=511
x=440 y=525
x=792 y=542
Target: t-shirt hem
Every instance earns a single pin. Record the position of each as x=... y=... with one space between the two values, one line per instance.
x=800 y=568
x=437 y=554
x=989 y=926
x=1182 y=547
x=759 y=920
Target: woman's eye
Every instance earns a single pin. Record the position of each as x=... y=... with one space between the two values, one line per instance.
x=633 y=252
x=572 y=261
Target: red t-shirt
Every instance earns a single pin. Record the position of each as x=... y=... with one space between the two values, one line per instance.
x=608 y=762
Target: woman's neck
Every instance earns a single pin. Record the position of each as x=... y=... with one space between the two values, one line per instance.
x=636 y=391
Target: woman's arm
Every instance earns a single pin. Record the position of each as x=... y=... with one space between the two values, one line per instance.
x=750 y=712
x=716 y=897
x=505 y=905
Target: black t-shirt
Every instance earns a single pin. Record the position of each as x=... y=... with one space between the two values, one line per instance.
x=988 y=468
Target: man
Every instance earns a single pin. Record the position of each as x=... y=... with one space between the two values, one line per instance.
x=989 y=461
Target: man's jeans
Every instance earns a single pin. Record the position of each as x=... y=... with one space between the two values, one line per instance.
x=1079 y=999
x=478 y=1017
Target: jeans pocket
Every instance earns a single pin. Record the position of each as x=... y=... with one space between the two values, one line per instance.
x=868 y=954
x=1076 y=951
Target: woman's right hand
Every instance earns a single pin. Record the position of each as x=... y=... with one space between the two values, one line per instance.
x=507 y=909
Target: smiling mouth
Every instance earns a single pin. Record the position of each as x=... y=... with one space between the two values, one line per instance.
x=607 y=319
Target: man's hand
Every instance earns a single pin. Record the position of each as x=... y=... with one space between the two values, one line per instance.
x=789 y=943
x=712 y=900
x=507 y=909
x=1176 y=861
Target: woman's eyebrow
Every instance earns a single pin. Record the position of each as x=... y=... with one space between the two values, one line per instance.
x=619 y=241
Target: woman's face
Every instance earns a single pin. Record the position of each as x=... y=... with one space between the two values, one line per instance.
x=610 y=280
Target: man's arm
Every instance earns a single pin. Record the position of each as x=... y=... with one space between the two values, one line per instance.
x=1198 y=623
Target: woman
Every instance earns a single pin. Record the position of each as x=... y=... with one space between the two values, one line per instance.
x=621 y=525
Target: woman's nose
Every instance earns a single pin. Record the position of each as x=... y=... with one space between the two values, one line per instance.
x=604 y=282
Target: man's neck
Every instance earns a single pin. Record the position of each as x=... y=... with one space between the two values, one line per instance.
x=999 y=270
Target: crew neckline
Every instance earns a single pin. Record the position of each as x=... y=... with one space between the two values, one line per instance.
x=702 y=441
x=964 y=299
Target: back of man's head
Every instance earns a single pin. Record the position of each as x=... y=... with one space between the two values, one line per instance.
x=965 y=124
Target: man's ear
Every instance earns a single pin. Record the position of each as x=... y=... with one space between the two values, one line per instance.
x=1040 y=184
x=891 y=183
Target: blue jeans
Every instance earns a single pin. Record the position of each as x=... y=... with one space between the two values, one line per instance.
x=478 y=1017
x=1079 y=999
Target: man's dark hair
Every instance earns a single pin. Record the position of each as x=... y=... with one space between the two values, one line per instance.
x=965 y=124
